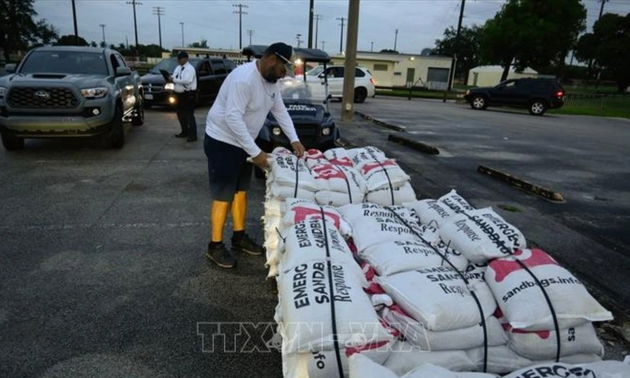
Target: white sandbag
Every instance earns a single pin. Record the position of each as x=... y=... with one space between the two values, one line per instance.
x=339 y=156
x=522 y=301
x=430 y=212
x=313 y=240
x=324 y=364
x=541 y=345
x=363 y=367
x=501 y=360
x=457 y=339
x=455 y=202
x=284 y=192
x=339 y=179
x=289 y=170
x=603 y=369
x=481 y=235
x=439 y=298
x=399 y=256
x=404 y=357
x=338 y=199
x=313 y=157
x=389 y=196
x=298 y=209
x=380 y=174
x=304 y=312
x=373 y=224
x=366 y=153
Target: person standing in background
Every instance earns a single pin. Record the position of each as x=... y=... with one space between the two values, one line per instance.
x=185 y=80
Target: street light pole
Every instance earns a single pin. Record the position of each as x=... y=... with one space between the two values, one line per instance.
x=135 y=22
x=159 y=11
x=371 y=46
x=451 y=75
x=250 y=33
x=317 y=18
x=103 y=27
x=76 y=29
x=343 y=20
x=396 y=40
x=297 y=37
x=182 y=24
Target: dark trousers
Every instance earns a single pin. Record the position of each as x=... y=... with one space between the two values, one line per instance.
x=186 y=113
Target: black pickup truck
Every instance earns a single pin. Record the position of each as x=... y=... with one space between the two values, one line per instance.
x=211 y=72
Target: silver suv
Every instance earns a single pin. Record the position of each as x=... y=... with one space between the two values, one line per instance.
x=67 y=91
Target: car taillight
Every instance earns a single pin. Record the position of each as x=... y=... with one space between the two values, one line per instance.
x=560 y=94
x=372 y=81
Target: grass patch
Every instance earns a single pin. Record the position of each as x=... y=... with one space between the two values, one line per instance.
x=606 y=106
x=510 y=208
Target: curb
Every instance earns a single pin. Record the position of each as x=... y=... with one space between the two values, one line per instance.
x=344 y=143
x=522 y=184
x=413 y=144
x=379 y=122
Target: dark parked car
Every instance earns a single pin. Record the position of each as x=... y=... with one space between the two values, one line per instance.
x=211 y=72
x=535 y=94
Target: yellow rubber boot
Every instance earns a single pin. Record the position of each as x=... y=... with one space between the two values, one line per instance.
x=218 y=215
x=239 y=211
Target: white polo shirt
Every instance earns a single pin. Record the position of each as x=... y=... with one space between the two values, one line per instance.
x=240 y=109
x=185 y=78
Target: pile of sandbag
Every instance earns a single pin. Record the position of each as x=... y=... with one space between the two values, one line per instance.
x=323 y=313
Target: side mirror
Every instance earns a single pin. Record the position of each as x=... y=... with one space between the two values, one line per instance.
x=10 y=68
x=321 y=75
x=123 y=71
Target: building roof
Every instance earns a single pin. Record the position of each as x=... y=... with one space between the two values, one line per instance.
x=500 y=69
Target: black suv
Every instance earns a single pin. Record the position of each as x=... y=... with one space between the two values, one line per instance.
x=537 y=95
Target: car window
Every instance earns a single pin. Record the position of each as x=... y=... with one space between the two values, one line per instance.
x=315 y=71
x=359 y=72
x=218 y=68
x=168 y=65
x=121 y=60
x=204 y=70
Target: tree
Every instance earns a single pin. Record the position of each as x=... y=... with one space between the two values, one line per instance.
x=534 y=33
x=389 y=51
x=18 y=28
x=199 y=45
x=467 y=50
x=69 y=40
x=609 y=47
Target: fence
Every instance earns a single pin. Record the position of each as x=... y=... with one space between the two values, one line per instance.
x=599 y=102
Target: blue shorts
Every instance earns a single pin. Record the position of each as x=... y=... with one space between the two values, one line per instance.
x=228 y=169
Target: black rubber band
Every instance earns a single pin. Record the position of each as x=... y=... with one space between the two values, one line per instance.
x=297 y=171
x=556 y=324
x=332 y=297
x=346 y=178
x=391 y=187
x=472 y=293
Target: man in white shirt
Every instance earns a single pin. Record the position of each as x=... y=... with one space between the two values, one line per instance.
x=185 y=80
x=247 y=95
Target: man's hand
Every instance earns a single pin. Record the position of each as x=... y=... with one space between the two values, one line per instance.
x=261 y=160
x=170 y=79
x=298 y=148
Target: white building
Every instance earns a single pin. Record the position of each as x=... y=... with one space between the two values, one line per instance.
x=489 y=76
x=401 y=70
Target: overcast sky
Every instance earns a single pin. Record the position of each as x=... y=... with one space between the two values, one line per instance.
x=419 y=22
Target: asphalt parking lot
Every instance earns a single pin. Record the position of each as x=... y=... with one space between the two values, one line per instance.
x=102 y=267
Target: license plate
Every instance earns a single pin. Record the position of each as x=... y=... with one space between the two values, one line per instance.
x=148 y=97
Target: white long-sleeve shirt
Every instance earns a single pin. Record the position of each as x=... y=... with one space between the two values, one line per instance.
x=185 y=78
x=241 y=107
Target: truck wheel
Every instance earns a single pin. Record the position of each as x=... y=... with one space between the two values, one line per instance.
x=115 y=137
x=360 y=94
x=12 y=143
x=138 y=114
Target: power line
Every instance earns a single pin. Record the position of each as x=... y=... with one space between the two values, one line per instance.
x=159 y=11
x=240 y=23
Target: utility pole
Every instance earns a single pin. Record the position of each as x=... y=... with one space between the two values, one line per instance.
x=311 y=13
x=601 y=10
x=323 y=45
x=317 y=18
x=103 y=27
x=451 y=75
x=351 y=61
x=182 y=24
x=76 y=28
x=371 y=46
x=343 y=20
x=297 y=37
x=240 y=22
x=250 y=32
x=159 y=11
x=135 y=23
x=396 y=40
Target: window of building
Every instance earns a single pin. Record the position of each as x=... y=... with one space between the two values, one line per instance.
x=380 y=67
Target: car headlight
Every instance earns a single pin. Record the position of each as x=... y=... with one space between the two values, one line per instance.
x=3 y=91
x=169 y=87
x=326 y=131
x=276 y=131
x=94 y=92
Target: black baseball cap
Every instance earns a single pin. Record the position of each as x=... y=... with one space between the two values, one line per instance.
x=283 y=51
x=182 y=54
